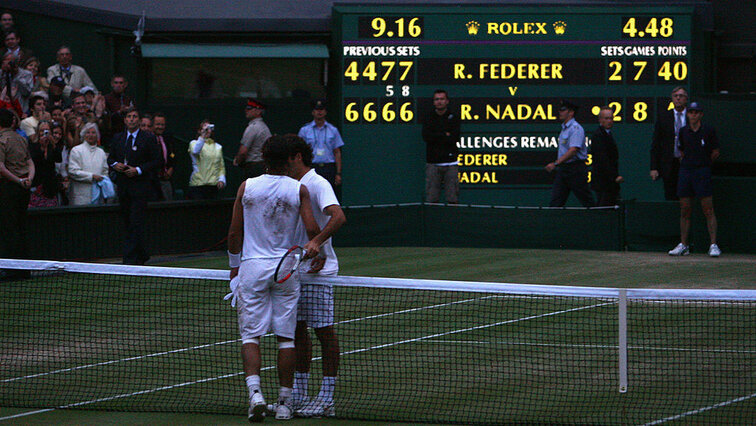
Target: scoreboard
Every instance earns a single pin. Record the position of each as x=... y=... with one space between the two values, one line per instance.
x=505 y=69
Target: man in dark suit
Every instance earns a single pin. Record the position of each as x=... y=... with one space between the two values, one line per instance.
x=165 y=148
x=665 y=154
x=136 y=159
x=605 y=177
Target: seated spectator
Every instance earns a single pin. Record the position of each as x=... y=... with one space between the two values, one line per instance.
x=117 y=101
x=87 y=165
x=56 y=114
x=33 y=66
x=12 y=44
x=81 y=107
x=145 y=123
x=6 y=22
x=55 y=96
x=74 y=76
x=38 y=114
x=22 y=81
x=71 y=131
x=44 y=191
x=61 y=167
x=95 y=101
x=9 y=101
x=208 y=170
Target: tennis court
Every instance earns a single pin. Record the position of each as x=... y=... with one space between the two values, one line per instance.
x=170 y=345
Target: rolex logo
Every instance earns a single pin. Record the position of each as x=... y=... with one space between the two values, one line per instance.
x=560 y=27
x=472 y=27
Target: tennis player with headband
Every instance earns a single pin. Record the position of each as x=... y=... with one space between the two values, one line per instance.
x=265 y=217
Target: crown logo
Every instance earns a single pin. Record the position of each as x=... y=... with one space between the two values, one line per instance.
x=560 y=27
x=472 y=27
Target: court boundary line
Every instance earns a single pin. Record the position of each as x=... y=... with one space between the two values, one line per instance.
x=173 y=351
x=354 y=351
x=701 y=410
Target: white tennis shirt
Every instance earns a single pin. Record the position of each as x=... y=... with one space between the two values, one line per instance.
x=271 y=213
x=321 y=197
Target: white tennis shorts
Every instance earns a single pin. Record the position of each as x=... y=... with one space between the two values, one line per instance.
x=316 y=305
x=262 y=304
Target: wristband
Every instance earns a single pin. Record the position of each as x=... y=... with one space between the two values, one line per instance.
x=234 y=260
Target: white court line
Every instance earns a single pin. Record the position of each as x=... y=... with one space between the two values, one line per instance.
x=386 y=345
x=136 y=358
x=133 y=358
x=701 y=410
x=481 y=327
x=29 y=413
x=567 y=345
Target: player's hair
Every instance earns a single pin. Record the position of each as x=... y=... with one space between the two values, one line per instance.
x=118 y=76
x=437 y=91
x=299 y=146
x=158 y=114
x=679 y=88
x=275 y=152
x=606 y=107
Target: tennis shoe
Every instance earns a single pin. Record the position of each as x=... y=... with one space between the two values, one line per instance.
x=317 y=408
x=284 y=409
x=714 y=250
x=680 y=250
x=257 y=408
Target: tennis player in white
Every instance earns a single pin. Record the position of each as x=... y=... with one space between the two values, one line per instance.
x=316 y=301
x=266 y=213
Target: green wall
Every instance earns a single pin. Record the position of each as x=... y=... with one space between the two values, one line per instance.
x=100 y=50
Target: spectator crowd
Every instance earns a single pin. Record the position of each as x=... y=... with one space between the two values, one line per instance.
x=68 y=125
x=63 y=142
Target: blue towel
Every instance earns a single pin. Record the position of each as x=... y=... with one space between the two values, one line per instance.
x=103 y=189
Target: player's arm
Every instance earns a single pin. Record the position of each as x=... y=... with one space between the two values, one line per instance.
x=336 y=221
x=236 y=232
x=308 y=219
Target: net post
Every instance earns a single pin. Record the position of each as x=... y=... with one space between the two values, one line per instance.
x=622 y=321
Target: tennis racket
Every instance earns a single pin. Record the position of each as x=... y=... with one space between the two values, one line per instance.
x=289 y=264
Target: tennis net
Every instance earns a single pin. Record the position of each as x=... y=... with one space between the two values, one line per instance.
x=112 y=337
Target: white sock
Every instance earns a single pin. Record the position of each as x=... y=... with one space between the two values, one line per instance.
x=327 y=388
x=300 y=385
x=253 y=384
x=284 y=393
